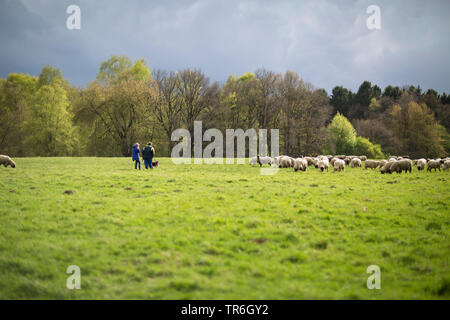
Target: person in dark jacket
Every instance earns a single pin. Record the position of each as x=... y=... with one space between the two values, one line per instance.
x=135 y=153
x=147 y=154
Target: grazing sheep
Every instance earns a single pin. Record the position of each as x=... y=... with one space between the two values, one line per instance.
x=382 y=163
x=264 y=160
x=347 y=160
x=402 y=165
x=362 y=158
x=421 y=164
x=387 y=167
x=253 y=160
x=310 y=160
x=434 y=164
x=300 y=164
x=333 y=160
x=339 y=165
x=285 y=162
x=324 y=164
x=446 y=165
x=316 y=162
x=372 y=164
x=355 y=163
x=7 y=161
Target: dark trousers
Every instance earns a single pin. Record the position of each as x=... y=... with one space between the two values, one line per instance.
x=148 y=163
x=136 y=162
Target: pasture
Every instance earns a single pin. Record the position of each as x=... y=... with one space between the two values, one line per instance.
x=220 y=232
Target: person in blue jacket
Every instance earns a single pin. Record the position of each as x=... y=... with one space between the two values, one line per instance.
x=135 y=153
x=147 y=154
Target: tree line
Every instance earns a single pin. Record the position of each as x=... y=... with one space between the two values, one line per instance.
x=47 y=116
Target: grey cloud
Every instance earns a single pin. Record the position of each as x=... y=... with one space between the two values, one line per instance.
x=326 y=42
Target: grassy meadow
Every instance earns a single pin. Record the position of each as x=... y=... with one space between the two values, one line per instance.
x=220 y=232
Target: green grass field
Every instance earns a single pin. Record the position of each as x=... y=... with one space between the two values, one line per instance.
x=220 y=232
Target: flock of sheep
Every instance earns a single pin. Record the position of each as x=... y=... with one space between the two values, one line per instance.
x=393 y=164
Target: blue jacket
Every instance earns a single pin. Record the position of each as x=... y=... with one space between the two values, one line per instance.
x=136 y=152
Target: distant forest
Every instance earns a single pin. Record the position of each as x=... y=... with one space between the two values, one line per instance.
x=47 y=116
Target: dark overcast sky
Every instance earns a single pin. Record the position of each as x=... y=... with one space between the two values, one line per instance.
x=326 y=42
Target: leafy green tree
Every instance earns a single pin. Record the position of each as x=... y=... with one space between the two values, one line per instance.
x=49 y=128
x=374 y=104
x=341 y=135
x=121 y=68
x=445 y=136
x=49 y=75
x=417 y=128
x=16 y=93
x=365 y=147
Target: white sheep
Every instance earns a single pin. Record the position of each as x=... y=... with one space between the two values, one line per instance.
x=7 y=161
x=339 y=165
x=316 y=162
x=264 y=160
x=300 y=164
x=333 y=160
x=382 y=163
x=310 y=160
x=421 y=164
x=446 y=165
x=372 y=164
x=324 y=164
x=434 y=164
x=253 y=160
x=355 y=163
x=285 y=162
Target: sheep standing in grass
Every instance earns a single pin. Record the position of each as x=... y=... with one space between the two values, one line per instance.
x=333 y=160
x=300 y=164
x=339 y=165
x=253 y=160
x=434 y=164
x=324 y=164
x=402 y=165
x=362 y=158
x=355 y=163
x=446 y=165
x=348 y=159
x=382 y=163
x=386 y=168
x=421 y=164
x=7 y=161
x=316 y=162
x=310 y=160
x=264 y=160
x=285 y=162
x=372 y=164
